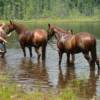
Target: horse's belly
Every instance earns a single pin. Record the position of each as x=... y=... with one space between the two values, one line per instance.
x=73 y=51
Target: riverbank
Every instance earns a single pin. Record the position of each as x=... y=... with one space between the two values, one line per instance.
x=57 y=20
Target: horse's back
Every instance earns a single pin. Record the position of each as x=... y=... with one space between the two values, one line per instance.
x=39 y=36
x=85 y=40
x=85 y=36
x=82 y=41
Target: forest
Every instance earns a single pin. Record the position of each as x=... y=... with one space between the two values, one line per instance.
x=31 y=9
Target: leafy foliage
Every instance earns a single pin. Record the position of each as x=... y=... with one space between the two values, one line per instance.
x=30 y=9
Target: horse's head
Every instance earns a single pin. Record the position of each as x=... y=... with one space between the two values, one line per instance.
x=54 y=30
x=10 y=27
x=51 y=29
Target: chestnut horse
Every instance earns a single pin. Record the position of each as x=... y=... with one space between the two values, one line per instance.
x=37 y=38
x=69 y=43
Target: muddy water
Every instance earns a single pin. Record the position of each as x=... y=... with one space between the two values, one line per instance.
x=31 y=75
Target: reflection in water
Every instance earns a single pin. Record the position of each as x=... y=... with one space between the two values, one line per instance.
x=88 y=88
x=64 y=80
x=85 y=88
x=32 y=74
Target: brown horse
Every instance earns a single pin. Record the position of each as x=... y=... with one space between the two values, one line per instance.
x=37 y=38
x=69 y=43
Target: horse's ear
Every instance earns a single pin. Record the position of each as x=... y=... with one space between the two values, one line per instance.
x=49 y=25
x=11 y=22
x=71 y=31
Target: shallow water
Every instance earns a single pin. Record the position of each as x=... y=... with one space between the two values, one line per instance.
x=31 y=75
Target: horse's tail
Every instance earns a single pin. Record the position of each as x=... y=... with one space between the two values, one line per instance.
x=94 y=55
x=93 y=51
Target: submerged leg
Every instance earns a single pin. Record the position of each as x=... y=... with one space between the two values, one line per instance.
x=98 y=63
x=38 y=53
x=87 y=57
x=24 y=51
x=23 y=48
x=73 y=58
x=68 y=58
x=43 y=53
x=30 y=51
x=60 y=57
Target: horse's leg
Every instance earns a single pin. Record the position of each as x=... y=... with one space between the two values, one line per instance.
x=60 y=56
x=44 y=52
x=23 y=48
x=68 y=58
x=38 y=53
x=98 y=63
x=87 y=57
x=73 y=58
x=30 y=51
x=24 y=51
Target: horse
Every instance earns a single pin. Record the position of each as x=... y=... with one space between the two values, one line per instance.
x=36 y=38
x=69 y=43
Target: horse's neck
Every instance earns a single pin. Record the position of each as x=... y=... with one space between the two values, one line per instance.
x=19 y=30
x=50 y=35
x=58 y=35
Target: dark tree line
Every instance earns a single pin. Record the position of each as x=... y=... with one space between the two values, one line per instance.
x=29 y=9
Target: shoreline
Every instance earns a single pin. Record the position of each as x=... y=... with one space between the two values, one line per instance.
x=56 y=20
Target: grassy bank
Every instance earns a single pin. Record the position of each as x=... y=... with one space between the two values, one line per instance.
x=58 y=20
x=12 y=91
x=67 y=20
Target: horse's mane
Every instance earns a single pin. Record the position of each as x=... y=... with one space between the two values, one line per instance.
x=20 y=25
x=60 y=30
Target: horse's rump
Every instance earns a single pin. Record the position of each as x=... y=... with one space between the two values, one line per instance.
x=85 y=40
x=40 y=36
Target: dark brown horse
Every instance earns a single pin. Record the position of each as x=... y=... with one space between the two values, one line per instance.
x=69 y=43
x=37 y=38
